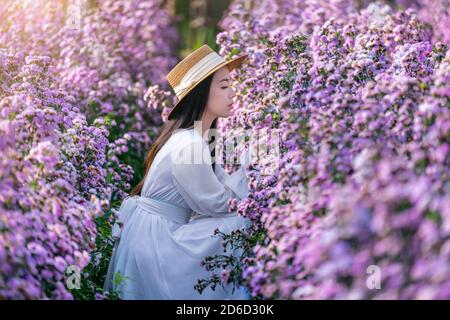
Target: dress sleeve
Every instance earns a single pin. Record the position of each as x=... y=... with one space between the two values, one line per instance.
x=199 y=185
x=237 y=181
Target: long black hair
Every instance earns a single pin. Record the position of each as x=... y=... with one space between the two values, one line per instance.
x=189 y=110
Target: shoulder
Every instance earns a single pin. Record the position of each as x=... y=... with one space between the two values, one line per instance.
x=185 y=137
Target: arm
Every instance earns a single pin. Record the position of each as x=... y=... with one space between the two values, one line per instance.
x=199 y=185
x=237 y=181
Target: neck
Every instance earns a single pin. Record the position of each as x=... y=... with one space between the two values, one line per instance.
x=205 y=124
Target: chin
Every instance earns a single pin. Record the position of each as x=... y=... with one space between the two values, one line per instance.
x=225 y=115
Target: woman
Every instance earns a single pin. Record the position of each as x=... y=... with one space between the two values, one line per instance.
x=161 y=243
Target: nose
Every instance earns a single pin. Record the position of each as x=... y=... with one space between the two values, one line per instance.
x=232 y=94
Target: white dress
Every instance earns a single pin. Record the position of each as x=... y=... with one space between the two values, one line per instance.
x=161 y=242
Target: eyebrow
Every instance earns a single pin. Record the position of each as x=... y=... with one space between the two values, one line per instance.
x=223 y=80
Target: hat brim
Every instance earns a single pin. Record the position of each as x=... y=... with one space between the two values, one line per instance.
x=231 y=64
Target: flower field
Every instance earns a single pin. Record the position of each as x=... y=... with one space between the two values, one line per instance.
x=357 y=94
x=74 y=130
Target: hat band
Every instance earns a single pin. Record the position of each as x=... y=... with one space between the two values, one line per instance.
x=197 y=71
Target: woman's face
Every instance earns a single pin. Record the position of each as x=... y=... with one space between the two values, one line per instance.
x=221 y=94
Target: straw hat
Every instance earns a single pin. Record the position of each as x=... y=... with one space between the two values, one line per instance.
x=194 y=68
